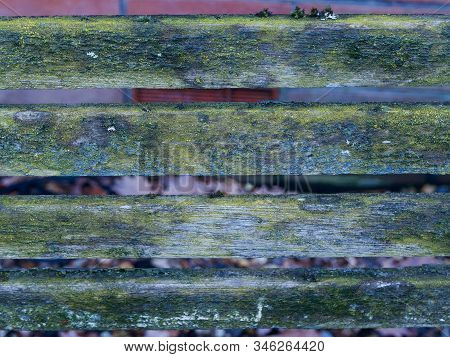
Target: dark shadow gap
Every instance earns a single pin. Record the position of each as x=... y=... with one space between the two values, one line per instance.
x=237 y=262
x=273 y=332
x=227 y=185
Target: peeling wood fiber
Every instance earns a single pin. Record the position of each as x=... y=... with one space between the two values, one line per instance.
x=246 y=226
x=224 y=139
x=223 y=51
x=224 y=298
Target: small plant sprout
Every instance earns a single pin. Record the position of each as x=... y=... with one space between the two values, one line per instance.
x=264 y=13
x=314 y=12
x=298 y=13
x=327 y=14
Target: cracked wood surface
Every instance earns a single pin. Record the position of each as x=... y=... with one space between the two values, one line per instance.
x=224 y=298
x=247 y=226
x=223 y=51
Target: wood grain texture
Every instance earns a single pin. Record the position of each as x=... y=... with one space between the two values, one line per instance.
x=224 y=298
x=224 y=139
x=249 y=226
x=225 y=51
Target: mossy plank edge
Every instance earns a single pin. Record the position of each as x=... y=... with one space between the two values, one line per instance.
x=223 y=51
x=224 y=139
x=224 y=298
x=248 y=226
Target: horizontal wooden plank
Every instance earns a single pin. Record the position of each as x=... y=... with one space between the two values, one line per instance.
x=224 y=298
x=250 y=226
x=225 y=51
x=224 y=139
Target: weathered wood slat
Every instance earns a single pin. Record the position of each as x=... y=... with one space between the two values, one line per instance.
x=224 y=298
x=225 y=51
x=250 y=226
x=224 y=139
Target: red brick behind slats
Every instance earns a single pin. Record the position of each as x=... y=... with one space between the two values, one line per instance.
x=180 y=7
x=58 y=7
x=204 y=95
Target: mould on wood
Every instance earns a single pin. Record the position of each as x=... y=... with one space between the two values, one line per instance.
x=238 y=298
x=251 y=226
x=31 y=117
x=203 y=118
x=149 y=135
x=99 y=129
x=233 y=51
x=305 y=139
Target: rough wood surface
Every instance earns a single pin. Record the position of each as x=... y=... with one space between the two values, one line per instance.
x=224 y=298
x=249 y=226
x=224 y=139
x=225 y=51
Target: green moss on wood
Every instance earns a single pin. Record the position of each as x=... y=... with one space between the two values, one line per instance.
x=223 y=51
x=249 y=226
x=233 y=298
x=224 y=139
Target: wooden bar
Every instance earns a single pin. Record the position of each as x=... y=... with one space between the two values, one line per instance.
x=224 y=139
x=308 y=225
x=223 y=51
x=224 y=298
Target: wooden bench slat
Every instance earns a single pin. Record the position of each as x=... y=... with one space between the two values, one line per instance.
x=201 y=226
x=225 y=51
x=224 y=139
x=224 y=298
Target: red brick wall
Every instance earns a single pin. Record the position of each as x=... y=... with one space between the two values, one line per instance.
x=179 y=7
x=153 y=7
x=58 y=7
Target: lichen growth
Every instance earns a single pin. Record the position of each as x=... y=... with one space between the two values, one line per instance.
x=236 y=139
x=190 y=51
x=229 y=226
x=238 y=298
